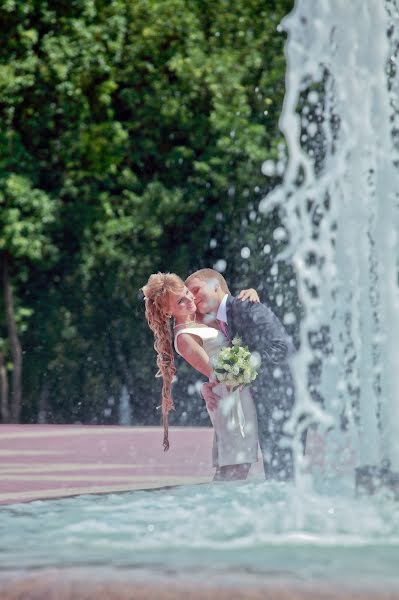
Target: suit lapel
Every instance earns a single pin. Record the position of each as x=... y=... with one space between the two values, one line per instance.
x=229 y=314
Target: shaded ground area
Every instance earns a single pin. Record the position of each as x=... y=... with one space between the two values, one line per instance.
x=119 y=585
x=52 y=461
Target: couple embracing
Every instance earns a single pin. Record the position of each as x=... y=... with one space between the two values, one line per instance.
x=206 y=319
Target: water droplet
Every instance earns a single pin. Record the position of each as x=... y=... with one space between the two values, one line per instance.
x=220 y=265
x=313 y=97
x=289 y=318
x=312 y=129
x=279 y=234
x=268 y=168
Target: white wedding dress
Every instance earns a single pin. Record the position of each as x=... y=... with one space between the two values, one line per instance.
x=234 y=420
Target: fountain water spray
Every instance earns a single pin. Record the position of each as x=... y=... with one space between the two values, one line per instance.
x=339 y=204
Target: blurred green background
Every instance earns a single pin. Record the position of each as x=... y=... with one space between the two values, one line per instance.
x=132 y=138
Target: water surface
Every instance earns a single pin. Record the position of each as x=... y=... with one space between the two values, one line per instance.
x=269 y=530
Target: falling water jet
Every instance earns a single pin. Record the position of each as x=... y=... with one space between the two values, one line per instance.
x=339 y=203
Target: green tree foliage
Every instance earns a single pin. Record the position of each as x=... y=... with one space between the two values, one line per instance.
x=141 y=126
x=25 y=215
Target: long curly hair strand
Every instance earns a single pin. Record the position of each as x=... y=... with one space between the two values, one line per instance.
x=157 y=294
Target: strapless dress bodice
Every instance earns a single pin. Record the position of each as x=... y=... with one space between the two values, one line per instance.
x=212 y=339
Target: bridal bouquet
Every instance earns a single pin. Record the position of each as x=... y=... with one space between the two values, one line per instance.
x=235 y=366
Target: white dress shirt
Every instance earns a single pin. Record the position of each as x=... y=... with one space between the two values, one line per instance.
x=222 y=313
x=221 y=316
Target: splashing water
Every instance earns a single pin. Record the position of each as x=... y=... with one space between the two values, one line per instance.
x=339 y=204
x=257 y=530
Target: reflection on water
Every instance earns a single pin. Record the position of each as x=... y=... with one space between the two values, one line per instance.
x=253 y=527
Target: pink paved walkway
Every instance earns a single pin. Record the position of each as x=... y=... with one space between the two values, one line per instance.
x=50 y=461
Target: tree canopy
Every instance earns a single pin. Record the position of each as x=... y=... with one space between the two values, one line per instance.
x=133 y=134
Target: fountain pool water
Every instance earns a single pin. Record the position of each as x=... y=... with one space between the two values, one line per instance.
x=339 y=207
x=268 y=531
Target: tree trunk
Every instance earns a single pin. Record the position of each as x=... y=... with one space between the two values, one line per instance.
x=15 y=346
x=4 y=411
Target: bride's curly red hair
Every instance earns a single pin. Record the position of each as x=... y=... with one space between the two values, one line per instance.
x=157 y=294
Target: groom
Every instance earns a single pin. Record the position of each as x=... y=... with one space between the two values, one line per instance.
x=273 y=389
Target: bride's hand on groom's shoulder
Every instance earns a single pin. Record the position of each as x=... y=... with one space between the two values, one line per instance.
x=249 y=294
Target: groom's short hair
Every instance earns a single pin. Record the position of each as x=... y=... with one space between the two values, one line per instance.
x=208 y=275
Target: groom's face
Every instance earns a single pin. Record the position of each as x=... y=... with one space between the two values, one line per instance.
x=205 y=295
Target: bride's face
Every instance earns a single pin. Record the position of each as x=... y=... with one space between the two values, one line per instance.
x=182 y=305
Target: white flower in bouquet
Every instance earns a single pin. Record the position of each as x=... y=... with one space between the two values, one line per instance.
x=234 y=365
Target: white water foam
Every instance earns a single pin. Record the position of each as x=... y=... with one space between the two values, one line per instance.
x=339 y=205
x=259 y=527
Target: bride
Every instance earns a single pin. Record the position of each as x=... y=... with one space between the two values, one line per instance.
x=234 y=419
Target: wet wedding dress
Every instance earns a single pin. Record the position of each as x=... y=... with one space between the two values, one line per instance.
x=234 y=420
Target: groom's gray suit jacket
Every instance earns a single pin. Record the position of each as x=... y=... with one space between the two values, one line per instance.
x=273 y=389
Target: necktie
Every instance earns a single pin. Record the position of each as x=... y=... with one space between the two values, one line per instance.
x=223 y=328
